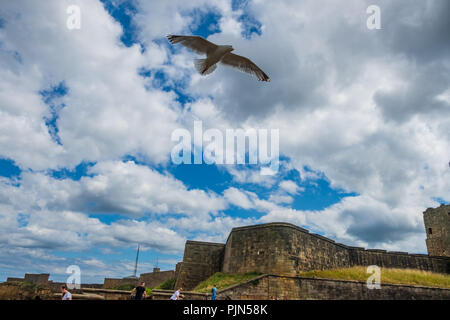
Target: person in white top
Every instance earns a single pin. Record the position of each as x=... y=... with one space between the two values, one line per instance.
x=66 y=295
x=176 y=295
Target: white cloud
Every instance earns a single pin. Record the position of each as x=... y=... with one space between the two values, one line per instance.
x=108 y=111
x=290 y=187
x=120 y=187
x=280 y=198
x=251 y=176
x=238 y=198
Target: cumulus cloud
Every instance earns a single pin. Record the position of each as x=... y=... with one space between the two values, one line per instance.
x=290 y=187
x=130 y=188
x=108 y=111
x=238 y=198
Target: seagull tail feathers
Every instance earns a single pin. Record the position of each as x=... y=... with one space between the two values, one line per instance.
x=202 y=67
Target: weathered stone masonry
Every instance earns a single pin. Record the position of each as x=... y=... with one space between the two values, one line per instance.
x=285 y=249
x=151 y=279
x=292 y=288
x=200 y=261
x=437 y=226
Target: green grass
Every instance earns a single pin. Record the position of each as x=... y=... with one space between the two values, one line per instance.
x=395 y=276
x=223 y=280
x=126 y=287
x=167 y=285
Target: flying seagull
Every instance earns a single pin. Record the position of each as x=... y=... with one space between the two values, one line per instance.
x=214 y=54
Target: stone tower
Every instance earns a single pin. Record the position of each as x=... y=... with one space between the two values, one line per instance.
x=437 y=227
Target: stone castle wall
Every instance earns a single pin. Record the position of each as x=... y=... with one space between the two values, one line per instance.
x=201 y=260
x=437 y=227
x=404 y=260
x=298 y=288
x=113 y=283
x=41 y=278
x=155 y=278
x=280 y=248
x=151 y=279
x=285 y=249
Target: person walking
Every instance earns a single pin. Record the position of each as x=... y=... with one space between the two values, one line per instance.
x=66 y=295
x=176 y=295
x=141 y=294
x=213 y=293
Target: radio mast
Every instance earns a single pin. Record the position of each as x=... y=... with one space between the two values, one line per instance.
x=136 y=264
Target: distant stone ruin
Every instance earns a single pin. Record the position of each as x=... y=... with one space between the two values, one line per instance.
x=437 y=226
x=151 y=279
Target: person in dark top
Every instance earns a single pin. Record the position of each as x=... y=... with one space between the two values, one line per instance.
x=140 y=292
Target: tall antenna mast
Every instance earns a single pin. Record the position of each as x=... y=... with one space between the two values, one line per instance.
x=135 y=266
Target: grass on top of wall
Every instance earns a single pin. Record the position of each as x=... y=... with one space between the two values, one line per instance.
x=388 y=275
x=125 y=287
x=169 y=284
x=223 y=280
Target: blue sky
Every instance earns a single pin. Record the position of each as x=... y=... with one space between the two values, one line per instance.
x=95 y=152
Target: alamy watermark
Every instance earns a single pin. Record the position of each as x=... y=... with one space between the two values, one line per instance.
x=74 y=19
x=374 y=281
x=74 y=280
x=374 y=20
x=212 y=146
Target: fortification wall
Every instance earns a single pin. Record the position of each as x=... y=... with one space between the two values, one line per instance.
x=389 y=259
x=281 y=248
x=437 y=227
x=295 y=288
x=12 y=279
x=154 y=279
x=200 y=261
x=41 y=278
x=285 y=249
x=177 y=269
x=112 y=283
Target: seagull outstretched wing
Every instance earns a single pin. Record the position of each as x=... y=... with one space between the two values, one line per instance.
x=244 y=64
x=195 y=43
